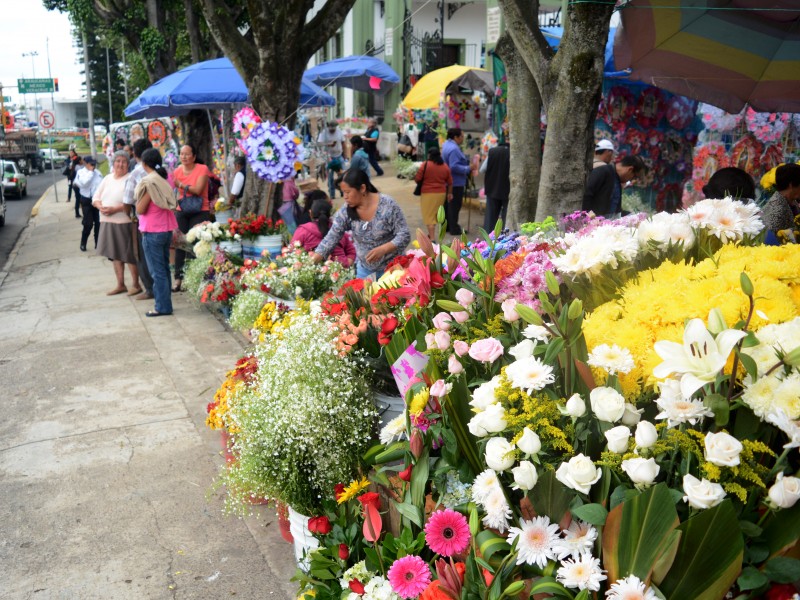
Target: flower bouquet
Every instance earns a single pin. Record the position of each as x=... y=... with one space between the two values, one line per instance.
x=250 y=226
x=205 y=235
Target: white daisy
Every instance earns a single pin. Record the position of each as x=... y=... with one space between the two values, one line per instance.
x=484 y=485
x=584 y=573
x=630 y=588
x=536 y=332
x=613 y=359
x=394 y=429
x=578 y=539
x=535 y=541
x=529 y=374
x=679 y=410
x=498 y=512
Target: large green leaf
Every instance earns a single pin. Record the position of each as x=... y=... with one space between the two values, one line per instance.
x=782 y=529
x=638 y=533
x=709 y=556
x=459 y=413
x=490 y=544
x=550 y=497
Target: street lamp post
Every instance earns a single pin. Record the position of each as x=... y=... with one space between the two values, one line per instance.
x=33 y=68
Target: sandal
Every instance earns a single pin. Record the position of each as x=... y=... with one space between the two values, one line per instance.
x=155 y=313
x=135 y=291
x=115 y=291
x=178 y=286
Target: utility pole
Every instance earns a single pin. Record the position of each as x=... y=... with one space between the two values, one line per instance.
x=89 y=107
x=108 y=78
x=50 y=131
x=124 y=75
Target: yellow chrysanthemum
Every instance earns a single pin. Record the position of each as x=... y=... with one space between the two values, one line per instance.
x=419 y=402
x=657 y=306
x=353 y=489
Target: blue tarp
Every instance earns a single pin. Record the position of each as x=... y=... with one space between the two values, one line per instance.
x=361 y=73
x=553 y=37
x=212 y=84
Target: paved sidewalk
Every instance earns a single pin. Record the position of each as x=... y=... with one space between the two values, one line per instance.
x=106 y=465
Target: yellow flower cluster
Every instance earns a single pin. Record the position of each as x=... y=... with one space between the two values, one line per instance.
x=353 y=489
x=656 y=306
x=221 y=405
x=419 y=402
x=494 y=327
x=272 y=321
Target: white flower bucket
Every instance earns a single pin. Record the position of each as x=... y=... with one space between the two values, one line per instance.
x=304 y=541
x=231 y=247
x=270 y=243
x=223 y=216
x=389 y=407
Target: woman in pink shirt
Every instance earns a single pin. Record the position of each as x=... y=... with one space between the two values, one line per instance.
x=311 y=234
x=154 y=205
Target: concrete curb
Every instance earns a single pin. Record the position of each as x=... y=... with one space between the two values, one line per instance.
x=35 y=209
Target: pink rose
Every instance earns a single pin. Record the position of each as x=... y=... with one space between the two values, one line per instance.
x=430 y=341
x=442 y=321
x=442 y=339
x=487 y=350
x=440 y=388
x=510 y=313
x=461 y=316
x=464 y=297
x=453 y=365
x=460 y=347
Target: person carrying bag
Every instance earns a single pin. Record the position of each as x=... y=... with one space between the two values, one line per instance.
x=434 y=186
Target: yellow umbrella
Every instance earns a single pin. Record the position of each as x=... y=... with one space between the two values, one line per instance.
x=427 y=91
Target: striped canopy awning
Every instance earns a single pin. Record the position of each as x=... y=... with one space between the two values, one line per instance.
x=724 y=52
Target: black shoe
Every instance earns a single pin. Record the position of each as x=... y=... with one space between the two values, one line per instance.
x=83 y=248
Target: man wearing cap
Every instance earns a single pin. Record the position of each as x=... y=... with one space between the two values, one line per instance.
x=331 y=139
x=603 y=152
x=87 y=180
x=603 y=194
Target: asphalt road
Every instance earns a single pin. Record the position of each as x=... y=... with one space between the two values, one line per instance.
x=18 y=211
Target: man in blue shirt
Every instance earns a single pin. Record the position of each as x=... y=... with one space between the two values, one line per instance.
x=459 y=169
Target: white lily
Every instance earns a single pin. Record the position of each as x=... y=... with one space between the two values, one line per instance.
x=699 y=359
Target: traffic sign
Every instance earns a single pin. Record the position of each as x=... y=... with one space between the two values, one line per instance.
x=6 y=98
x=47 y=119
x=35 y=86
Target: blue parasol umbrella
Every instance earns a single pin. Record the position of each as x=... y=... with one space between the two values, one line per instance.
x=360 y=73
x=208 y=85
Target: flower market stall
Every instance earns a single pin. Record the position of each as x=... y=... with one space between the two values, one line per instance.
x=588 y=408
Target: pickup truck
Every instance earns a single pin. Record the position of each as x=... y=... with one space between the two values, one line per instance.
x=21 y=147
x=58 y=160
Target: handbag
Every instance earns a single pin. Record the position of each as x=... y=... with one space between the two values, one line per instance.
x=190 y=205
x=418 y=189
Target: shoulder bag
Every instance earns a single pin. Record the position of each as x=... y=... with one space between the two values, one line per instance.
x=190 y=205
x=418 y=189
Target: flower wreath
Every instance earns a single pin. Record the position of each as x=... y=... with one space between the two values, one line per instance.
x=716 y=119
x=650 y=108
x=156 y=133
x=137 y=132
x=680 y=111
x=673 y=147
x=619 y=107
x=767 y=127
x=244 y=122
x=635 y=138
x=746 y=155
x=669 y=197
x=171 y=160
x=488 y=141
x=708 y=159
x=121 y=133
x=274 y=152
x=772 y=157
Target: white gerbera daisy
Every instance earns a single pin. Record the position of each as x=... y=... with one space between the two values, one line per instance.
x=578 y=539
x=529 y=374
x=498 y=512
x=679 y=410
x=535 y=541
x=630 y=588
x=613 y=359
x=394 y=429
x=484 y=485
x=584 y=573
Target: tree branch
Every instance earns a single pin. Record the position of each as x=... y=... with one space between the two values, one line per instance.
x=522 y=26
x=242 y=54
x=325 y=24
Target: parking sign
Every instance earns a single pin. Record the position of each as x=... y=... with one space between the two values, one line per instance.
x=47 y=119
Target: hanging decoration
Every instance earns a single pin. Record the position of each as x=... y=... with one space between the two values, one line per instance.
x=716 y=119
x=274 y=152
x=156 y=133
x=680 y=112
x=619 y=107
x=244 y=122
x=650 y=108
x=708 y=159
x=767 y=127
x=746 y=155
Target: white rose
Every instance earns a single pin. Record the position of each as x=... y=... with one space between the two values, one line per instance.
x=631 y=416
x=529 y=443
x=576 y=407
x=522 y=350
x=525 y=476
x=642 y=471
x=579 y=473
x=646 y=434
x=491 y=420
x=785 y=492
x=483 y=395
x=607 y=403
x=722 y=449
x=701 y=494
x=617 y=438
x=499 y=454
x=509 y=308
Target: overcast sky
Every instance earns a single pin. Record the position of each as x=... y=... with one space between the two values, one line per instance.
x=26 y=27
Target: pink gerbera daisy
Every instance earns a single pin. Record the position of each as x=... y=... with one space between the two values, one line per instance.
x=409 y=576
x=447 y=532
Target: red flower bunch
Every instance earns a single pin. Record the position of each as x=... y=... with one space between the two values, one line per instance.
x=387 y=329
x=251 y=226
x=418 y=282
x=321 y=525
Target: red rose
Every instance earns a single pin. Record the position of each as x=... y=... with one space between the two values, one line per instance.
x=389 y=325
x=338 y=490
x=437 y=280
x=370 y=498
x=344 y=551
x=321 y=525
x=356 y=587
x=384 y=339
x=405 y=474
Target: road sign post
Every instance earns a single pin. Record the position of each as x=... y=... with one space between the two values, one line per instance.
x=35 y=86
x=47 y=119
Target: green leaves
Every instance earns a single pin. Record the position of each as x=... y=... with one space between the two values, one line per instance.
x=591 y=513
x=550 y=497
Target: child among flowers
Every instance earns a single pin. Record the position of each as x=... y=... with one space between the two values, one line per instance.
x=309 y=235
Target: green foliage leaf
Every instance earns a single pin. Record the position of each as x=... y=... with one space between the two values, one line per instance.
x=391 y=453
x=751 y=579
x=591 y=513
x=783 y=569
x=550 y=497
x=554 y=348
x=782 y=530
x=450 y=305
x=750 y=529
x=709 y=556
x=491 y=544
x=410 y=512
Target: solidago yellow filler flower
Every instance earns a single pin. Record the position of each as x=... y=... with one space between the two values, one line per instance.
x=657 y=306
x=353 y=489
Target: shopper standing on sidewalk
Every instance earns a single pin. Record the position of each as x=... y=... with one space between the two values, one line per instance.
x=437 y=185
x=137 y=174
x=88 y=180
x=460 y=169
x=370 y=140
x=154 y=205
x=70 y=170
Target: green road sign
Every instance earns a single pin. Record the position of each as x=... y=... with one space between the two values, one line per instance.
x=6 y=98
x=34 y=86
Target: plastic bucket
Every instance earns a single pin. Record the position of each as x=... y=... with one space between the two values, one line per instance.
x=389 y=407
x=263 y=243
x=304 y=541
x=223 y=216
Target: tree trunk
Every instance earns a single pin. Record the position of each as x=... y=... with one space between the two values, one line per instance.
x=197 y=131
x=570 y=84
x=524 y=109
